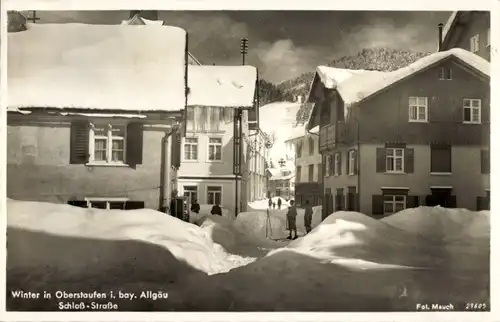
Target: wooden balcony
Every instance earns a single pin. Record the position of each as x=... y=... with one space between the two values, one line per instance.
x=327 y=137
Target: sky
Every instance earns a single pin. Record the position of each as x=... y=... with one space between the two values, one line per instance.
x=284 y=44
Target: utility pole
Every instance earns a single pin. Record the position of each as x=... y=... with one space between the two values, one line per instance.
x=237 y=136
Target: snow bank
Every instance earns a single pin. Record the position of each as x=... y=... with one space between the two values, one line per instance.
x=124 y=67
x=444 y=223
x=258 y=226
x=186 y=242
x=224 y=86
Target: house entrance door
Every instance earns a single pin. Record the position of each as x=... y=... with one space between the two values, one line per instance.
x=441 y=197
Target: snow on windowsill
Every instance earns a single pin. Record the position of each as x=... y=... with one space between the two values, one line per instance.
x=395 y=172
x=214 y=161
x=441 y=173
x=190 y=161
x=473 y=123
x=418 y=121
x=96 y=164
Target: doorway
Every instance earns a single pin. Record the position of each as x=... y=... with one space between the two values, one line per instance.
x=441 y=197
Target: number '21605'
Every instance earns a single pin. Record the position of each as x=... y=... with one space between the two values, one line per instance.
x=475 y=306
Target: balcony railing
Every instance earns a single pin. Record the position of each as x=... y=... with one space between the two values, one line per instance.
x=327 y=137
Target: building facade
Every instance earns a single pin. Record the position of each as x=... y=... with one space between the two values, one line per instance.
x=420 y=137
x=105 y=150
x=206 y=172
x=469 y=30
x=280 y=183
x=308 y=168
x=258 y=153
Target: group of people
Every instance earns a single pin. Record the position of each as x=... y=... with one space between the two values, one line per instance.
x=291 y=217
x=216 y=209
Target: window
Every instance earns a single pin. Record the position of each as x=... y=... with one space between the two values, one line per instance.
x=107 y=143
x=418 y=109
x=440 y=159
x=394 y=160
x=472 y=111
x=191 y=192
x=352 y=162
x=214 y=195
x=394 y=203
x=106 y=203
x=215 y=149
x=488 y=37
x=298 y=174
x=311 y=173
x=191 y=149
x=337 y=164
x=445 y=73
x=327 y=165
x=474 y=43
x=320 y=175
x=311 y=146
x=298 y=148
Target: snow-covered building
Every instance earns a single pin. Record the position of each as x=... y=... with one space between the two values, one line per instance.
x=150 y=17
x=469 y=30
x=91 y=113
x=258 y=152
x=416 y=136
x=281 y=183
x=216 y=93
x=308 y=167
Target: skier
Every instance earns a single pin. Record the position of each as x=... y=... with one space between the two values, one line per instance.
x=279 y=203
x=308 y=217
x=291 y=217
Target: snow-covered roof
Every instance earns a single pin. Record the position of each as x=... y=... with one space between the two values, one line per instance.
x=97 y=67
x=331 y=76
x=301 y=131
x=226 y=86
x=361 y=86
x=278 y=174
x=448 y=26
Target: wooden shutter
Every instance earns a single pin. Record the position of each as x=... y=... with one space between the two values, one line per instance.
x=377 y=204
x=134 y=144
x=332 y=165
x=340 y=163
x=485 y=111
x=452 y=202
x=348 y=159
x=380 y=162
x=485 y=161
x=482 y=203
x=175 y=149
x=409 y=160
x=355 y=152
x=412 y=201
x=79 y=142
x=356 y=202
x=129 y=205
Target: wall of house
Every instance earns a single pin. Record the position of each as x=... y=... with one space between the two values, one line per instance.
x=228 y=190
x=39 y=169
x=384 y=117
x=466 y=178
x=307 y=159
x=203 y=168
x=479 y=23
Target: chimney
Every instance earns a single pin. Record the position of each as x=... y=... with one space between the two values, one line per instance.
x=146 y=14
x=440 y=35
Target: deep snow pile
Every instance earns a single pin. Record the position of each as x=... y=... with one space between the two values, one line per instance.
x=186 y=242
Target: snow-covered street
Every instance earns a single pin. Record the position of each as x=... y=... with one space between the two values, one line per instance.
x=349 y=262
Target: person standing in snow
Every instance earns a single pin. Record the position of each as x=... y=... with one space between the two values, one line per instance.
x=308 y=217
x=274 y=205
x=195 y=206
x=270 y=203
x=291 y=217
x=279 y=203
x=216 y=210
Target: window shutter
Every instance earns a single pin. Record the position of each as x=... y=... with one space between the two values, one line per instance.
x=134 y=144
x=79 y=142
x=78 y=203
x=412 y=201
x=175 y=149
x=453 y=202
x=377 y=205
x=332 y=165
x=348 y=159
x=130 y=205
x=485 y=162
x=355 y=152
x=485 y=112
x=340 y=163
x=380 y=162
x=409 y=162
x=482 y=203
x=356 y=202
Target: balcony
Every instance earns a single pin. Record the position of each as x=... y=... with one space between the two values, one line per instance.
x=327 y=137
